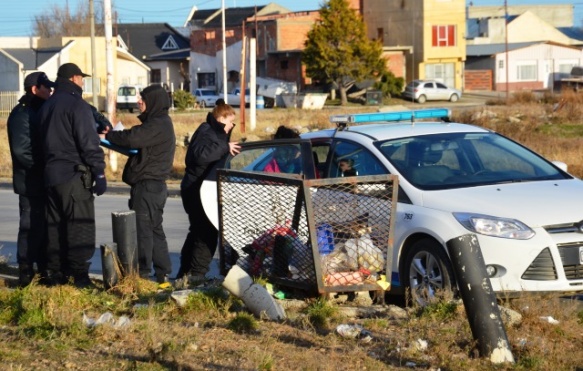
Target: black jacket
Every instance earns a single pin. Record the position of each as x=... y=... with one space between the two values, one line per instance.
x=25 y=147
x=154 y=138
x=70 y=138
x=208 y=144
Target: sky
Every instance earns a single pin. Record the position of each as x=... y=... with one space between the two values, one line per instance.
x=16 y=17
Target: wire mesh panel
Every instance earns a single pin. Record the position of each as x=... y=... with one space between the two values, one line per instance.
x=320 y=235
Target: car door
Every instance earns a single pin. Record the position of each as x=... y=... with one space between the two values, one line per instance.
x=256 y=157
x=442 y=91
x=430 y=91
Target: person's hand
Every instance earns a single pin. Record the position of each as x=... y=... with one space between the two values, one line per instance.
x=234 y=148
x=100 y=185
x=102 y=136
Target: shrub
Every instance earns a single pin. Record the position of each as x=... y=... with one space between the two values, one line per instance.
x=183 y=100
x=389 y=84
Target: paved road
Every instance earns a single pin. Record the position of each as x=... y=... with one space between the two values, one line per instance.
x=175 y=225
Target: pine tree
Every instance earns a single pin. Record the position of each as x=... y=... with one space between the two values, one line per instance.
x=338 y=50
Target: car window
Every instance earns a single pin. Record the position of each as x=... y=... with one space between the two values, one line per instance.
x=351 y=159
x=457 y=160
x=428 y=85
x=440 y=85
x=272 y=158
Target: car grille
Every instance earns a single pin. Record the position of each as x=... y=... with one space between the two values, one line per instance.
x=571 y=260
x=542 y=268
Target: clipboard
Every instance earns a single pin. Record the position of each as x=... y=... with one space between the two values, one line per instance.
x=123 y=150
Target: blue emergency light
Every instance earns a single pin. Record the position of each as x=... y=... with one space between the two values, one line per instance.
x=363 y=118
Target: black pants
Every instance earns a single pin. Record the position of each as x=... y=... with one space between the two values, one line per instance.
x=148 y=199
x=71 y=228
x=32 y=233
x=201 y=242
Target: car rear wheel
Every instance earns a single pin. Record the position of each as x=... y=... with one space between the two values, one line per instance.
x=427 y=270
x=422 y=99
x=454 y=98
x=131 y=110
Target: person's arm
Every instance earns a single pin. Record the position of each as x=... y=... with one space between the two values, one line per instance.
x=139 y=136
x=88 y=140
x=206 y=147
x=20 y=141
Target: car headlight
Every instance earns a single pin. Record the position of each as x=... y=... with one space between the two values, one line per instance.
x=494 y=226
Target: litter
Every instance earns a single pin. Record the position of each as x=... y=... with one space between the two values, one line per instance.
x=354 y=332
x=106 y=318
x=550 y=320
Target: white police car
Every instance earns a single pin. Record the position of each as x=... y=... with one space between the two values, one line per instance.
x=454 y=179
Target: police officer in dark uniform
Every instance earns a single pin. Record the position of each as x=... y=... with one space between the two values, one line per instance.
x=74 y=171
x=27 y=173
x=146 y=172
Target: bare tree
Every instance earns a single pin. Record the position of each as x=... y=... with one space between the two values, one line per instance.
x=61 y=21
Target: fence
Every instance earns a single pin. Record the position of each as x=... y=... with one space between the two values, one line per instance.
x=8 y=99
x=321 y=235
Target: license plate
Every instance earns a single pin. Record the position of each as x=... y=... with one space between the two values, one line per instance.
x=581 y=255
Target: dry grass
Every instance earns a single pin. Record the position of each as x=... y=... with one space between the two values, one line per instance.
x=42 y=328
x=550 y=124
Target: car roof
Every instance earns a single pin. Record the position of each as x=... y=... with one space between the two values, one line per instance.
x=384 y=131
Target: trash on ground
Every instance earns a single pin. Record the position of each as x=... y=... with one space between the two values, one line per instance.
x=181 y=296
x=550 y=320
x=354 y=332
x=421 y=344
x=106 y=318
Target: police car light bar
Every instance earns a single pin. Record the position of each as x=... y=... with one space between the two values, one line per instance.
x=362 y=118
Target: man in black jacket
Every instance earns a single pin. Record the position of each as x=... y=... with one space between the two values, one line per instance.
x=27 y=173
x=74 y=171
x=146 y=172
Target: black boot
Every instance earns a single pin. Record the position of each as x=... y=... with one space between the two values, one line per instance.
x=25 y=275
x=53 y=278
x=81 y=280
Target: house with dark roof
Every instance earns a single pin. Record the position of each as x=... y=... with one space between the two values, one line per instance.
x=162 y=48
x=20 y=56
x=206 y=44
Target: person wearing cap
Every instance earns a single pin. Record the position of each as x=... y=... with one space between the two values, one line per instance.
x=146 y=172
x=27 y=173
x=74 y=172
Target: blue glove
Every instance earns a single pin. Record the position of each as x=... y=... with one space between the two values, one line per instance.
x=100 y=185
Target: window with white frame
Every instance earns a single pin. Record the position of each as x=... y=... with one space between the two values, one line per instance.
x=526 y=71
x=444 y=35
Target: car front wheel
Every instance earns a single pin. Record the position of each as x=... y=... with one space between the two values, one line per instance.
x=427 y=270
x=422 y=99
x=454 y=98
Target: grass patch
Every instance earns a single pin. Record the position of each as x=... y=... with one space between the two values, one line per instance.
x=243 y=323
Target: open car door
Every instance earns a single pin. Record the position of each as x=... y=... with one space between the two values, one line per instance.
x=283 y=155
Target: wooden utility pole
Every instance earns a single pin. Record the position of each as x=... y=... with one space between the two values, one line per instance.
x=242 y=79
x=93 y=55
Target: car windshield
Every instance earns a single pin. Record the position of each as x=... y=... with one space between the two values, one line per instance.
x=208 y=92
x=458 y=160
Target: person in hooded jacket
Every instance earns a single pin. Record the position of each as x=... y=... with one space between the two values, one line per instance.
x=27 y=173
x=74 y=171
x=209 y=144
x=146 y=172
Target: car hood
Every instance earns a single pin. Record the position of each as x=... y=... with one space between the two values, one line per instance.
x=534 y=203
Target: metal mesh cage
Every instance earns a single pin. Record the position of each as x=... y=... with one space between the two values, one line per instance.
x=324 y=235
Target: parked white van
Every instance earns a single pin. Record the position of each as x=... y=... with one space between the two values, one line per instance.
x=127 y=97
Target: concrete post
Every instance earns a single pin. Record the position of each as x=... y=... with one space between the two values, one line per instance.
x=479 y=298
x=125 y=235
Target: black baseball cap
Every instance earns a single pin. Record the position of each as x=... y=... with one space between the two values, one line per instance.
x=38 y=79
x=69 y=70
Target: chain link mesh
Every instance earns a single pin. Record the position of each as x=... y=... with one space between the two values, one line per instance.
x=269 y=224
